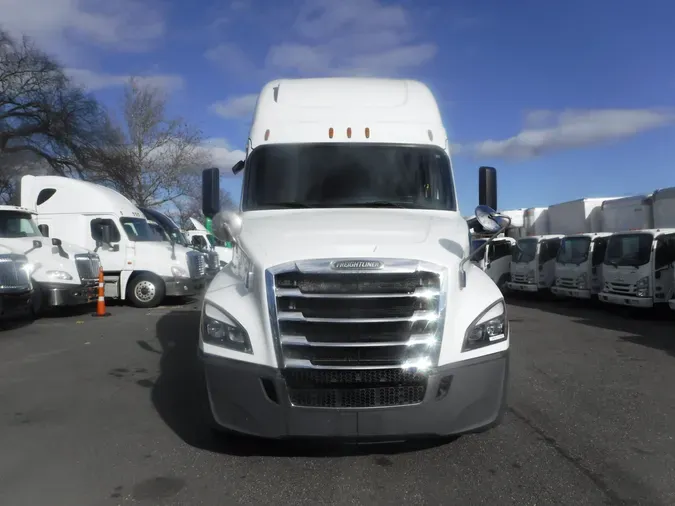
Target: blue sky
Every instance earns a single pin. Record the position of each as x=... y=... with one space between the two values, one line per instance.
x=566 y=99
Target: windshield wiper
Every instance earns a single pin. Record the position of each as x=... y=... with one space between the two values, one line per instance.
x=289 y=205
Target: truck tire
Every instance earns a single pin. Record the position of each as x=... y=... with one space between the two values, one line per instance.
x=146 y=290
x=37 y=302
x=501 y=284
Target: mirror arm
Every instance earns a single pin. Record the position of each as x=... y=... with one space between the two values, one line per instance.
x=462 y=263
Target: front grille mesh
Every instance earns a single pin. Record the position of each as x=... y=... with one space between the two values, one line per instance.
x=346 y=340
x=196 y=264
x=87 y=267
x=13 y=275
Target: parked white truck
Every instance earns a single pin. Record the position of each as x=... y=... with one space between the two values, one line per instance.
x=136 y=266
x=533 y=263
x=494 y=258
x=201 y=238
x=578 y=265
x=639 y=266
x=15 y=285
x=351 y=307
x=63 y=274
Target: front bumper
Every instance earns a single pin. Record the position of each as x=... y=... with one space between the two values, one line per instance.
x=239 y=395
x=522 y=287
x=626 y=300
x=182 y=287
x=571 y=292
x=62 y=294
x=15 y=305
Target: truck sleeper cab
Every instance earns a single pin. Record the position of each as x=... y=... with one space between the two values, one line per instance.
x=495 y=259
x=63 y=274
x=579 y=265
x=137 y=267
x=350 y=308
x=533 y=263
x=16 y=289
x=638 y=268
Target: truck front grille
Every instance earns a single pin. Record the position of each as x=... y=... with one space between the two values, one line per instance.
x=196 y=264
x=620 y=288
x=87 y=267
x=13 y=275
x=368 y=331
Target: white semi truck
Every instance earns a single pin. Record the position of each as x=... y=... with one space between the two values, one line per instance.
x=137 y=267
x=351 y=307
x=639 y=263
x=201 y=238
x=63 y=274
x=15 y=285
x=578 y=265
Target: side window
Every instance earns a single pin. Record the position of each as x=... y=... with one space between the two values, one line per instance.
x=599 y=250
x=662 y=255
x=96 y=227
x=45 y=195
x=504 y=249
x=549 y=250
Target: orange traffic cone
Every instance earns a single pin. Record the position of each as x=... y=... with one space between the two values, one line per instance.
x=100 y=305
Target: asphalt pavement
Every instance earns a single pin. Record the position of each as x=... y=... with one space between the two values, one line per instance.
x=106 y=411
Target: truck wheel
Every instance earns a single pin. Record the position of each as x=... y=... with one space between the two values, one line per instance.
x=146 y=290
x=501 y=284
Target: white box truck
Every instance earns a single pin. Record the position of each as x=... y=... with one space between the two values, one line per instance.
x=533 y=263
x=640 y=261
x=63 y=274
x=351 y=307
x=535 y=221
x=578 y=265
x=201 y=238
x=15 y=285
x=136 y=266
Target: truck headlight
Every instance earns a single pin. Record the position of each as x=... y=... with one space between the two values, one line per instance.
x=489 y=328
x=642 y=287
x=60 y=275
x=530 y=276
x=220 y=329
x=179 y=272
x=582 y=281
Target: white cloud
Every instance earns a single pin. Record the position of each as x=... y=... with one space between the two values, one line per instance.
x=547 y=131
x=64 y=27
x=349 y=37
x=96 y=81
x=235 y=107
x=223 y=156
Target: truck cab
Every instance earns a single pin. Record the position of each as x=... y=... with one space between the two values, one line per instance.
x=533 y=263
x=15 y=285
x=63 y=274
x=351 y=307
x=204 y=240
x=638 y=268
x=171 y=233
x=579 y=265
x=495 y=258
x=137 y=267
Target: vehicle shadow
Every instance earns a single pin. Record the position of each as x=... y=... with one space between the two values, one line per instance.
x=653 y=328
x=179 y=397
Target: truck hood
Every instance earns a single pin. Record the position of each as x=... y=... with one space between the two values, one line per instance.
x=274 y=237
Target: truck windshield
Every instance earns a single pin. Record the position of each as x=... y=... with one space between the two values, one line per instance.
x=14 y=224
x=525 y=251
x=629 y=249
x=138 y=229
x=334 y=175
x=574 y=250
x=160 y=234
x=475 y=244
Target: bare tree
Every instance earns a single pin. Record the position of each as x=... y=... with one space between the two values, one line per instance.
x=158 y=158
x=43 y=113
x=15 y=165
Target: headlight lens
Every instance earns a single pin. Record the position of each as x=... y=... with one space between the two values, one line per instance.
x=60 y=275
x=530 y=276
x=29 y=268
x=219 y=329
x=179 y=272
x=489 y=328
x=642 y=287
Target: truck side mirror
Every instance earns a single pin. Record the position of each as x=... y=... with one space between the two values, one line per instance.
x=37 y=244
x=44 y=230
x=56 y=242
x=238 y=167
x=106 y=235
x=227 y=226
x=487 y=187
x=210 y=192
